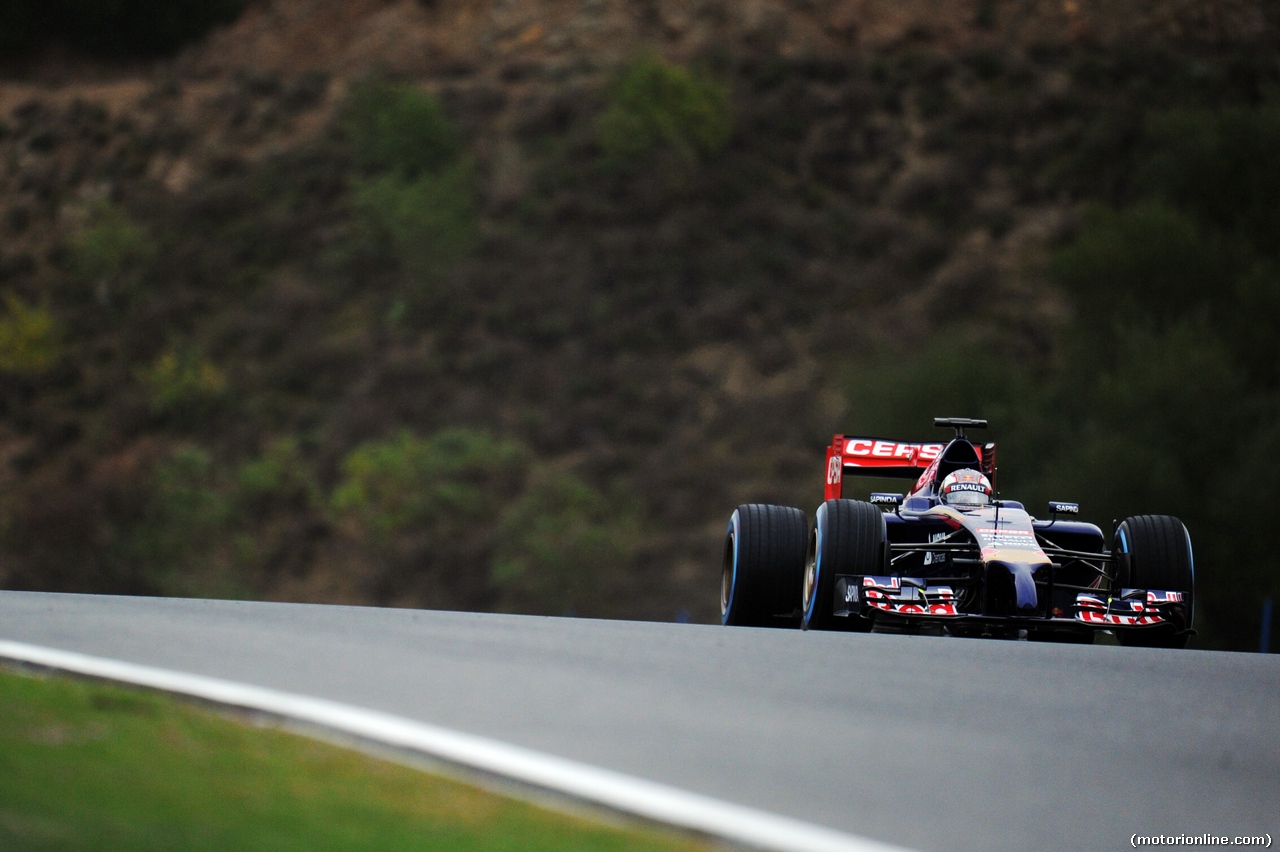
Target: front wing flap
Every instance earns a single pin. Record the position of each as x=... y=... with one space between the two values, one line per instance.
x=1132 y=608
x=915 y=599
x=857 y=595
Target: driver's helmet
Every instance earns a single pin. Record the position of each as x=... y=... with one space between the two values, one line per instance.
x=965 y=489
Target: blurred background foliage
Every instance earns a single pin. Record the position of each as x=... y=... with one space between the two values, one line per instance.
x=397 y=128
x=183 y=385
x=424 y=226
x=110 y=253
x=444 y=487
x=29 y=339
x=559 y=542
x=523 y=345
x=413 y=191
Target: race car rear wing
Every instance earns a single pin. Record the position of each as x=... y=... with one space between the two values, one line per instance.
x=850 y=456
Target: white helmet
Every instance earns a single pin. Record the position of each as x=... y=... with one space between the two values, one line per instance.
x=965 y=489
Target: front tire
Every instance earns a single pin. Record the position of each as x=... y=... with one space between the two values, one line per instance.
x=760 y=577
x=849 y=537
x=1154 y=552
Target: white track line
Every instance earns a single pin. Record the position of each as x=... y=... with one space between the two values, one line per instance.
x=647 y=799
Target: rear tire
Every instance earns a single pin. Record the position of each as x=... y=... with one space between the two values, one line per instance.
x=764 y=554
x=1154 y=552
x=849 y=537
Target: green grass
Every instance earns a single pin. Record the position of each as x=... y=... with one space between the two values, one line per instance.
x=91 y=766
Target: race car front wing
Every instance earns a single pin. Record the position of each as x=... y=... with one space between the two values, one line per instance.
x=915 y=599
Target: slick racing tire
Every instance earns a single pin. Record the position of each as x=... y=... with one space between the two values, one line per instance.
x=1154 y=552
x=764 y=551
x=849 y=537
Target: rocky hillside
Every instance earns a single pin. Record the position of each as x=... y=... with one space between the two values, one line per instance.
x=506 y=305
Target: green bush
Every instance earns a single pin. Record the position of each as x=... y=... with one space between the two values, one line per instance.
x=281 y=474
x=398 y=129
x=456 y=498
x=414 y=204
x=183 y=384
x=449 y=486
x=30 y=339
x=183 y=522
x=426 y=224
x=659 y=109
x=559 y=544
x=212 y=530
x=111 y=253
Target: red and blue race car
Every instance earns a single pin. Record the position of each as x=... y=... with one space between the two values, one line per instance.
x=949 y=557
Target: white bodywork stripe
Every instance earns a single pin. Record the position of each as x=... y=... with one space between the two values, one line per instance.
x=658 y=802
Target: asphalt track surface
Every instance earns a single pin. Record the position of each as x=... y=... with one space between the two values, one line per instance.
x=932 y=743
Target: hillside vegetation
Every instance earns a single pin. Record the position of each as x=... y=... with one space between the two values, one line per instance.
x=465 y=313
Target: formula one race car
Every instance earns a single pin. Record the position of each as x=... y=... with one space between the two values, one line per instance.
x=948 y=557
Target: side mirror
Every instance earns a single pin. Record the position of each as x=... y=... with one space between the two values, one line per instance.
x=883 y=498
x=1057 y=508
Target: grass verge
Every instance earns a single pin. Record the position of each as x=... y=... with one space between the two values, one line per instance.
x=85 y=765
